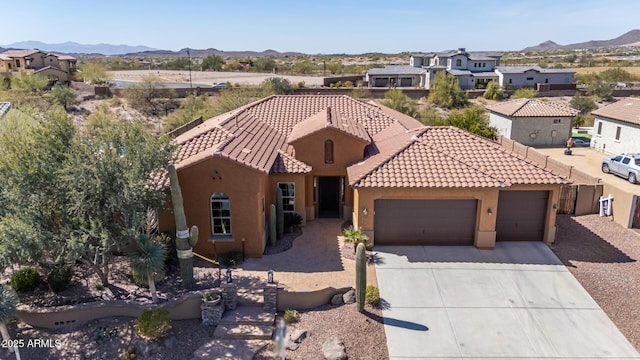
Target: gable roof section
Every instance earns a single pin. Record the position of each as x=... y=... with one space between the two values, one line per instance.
x=449 y=157
x=332 y=119
x=255 y=135
x=626 y=110
x=20 y=53
x=50 y=68
x=532 y=108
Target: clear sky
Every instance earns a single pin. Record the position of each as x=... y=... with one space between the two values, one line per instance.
x=318 y=26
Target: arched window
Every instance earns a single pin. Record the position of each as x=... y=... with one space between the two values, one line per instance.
x=328 y=152
x=220 y=214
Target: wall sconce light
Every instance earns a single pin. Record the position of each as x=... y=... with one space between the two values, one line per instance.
x=270 y=277
x=555 y=207
x=365 y=212
x=229 y=279
x=489 y=212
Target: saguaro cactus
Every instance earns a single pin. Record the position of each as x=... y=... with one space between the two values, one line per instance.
x=361 y=275
x=272 y=225
x=185 y=241
x=280 y=213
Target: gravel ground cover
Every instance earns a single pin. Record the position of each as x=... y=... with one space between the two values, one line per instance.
x=604 y=256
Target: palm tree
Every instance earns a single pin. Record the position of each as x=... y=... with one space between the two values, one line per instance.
x=147 y=262
x=8 y=303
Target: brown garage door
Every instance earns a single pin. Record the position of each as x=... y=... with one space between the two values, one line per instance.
x=521 y=215
x=424 y=222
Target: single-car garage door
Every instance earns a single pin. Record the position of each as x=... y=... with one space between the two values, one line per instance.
x=521 y=215
x=424 y=222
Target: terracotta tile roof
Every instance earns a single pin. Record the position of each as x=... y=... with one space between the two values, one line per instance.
x=627 y=110
x=287 y=164
x=256 y=134
x=329 y=118
x=532 y=108
x=449 y=157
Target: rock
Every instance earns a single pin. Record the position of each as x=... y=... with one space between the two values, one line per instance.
x=146 y=349
x=337 y=299
x=349 y=297
x=333 y=349
x=291 y=345
x=171 y=342
x=298 y=335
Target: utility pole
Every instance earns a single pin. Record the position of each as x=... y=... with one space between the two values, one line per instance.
x=189 y=55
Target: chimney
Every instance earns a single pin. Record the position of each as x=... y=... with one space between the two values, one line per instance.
x=462 y=50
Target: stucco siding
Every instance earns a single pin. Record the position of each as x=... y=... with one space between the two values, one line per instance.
x=531 y=78
x=541 y=131
x=629 y=141
x=502 y=123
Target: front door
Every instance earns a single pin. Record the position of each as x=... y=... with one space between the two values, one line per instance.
x=329 y=197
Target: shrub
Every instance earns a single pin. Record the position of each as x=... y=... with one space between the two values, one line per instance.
x=493 y=92
x=292 y=219
x=347 y=84
x=153 y=323
x=291 y=316
x=232 y=258
x=524 y=93
x=339 y=84
x=129 y=354
x=372 y=296
x=25 y=279
x=59 y=278
x=354 y=236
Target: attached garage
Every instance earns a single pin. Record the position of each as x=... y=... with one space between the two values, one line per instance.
x=521 y=215
x=425 y=222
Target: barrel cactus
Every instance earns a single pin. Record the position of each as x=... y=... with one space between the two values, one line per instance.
x=185 y=240
x=361 y=276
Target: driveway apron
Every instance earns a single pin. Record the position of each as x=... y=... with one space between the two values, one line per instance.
x=515 y=301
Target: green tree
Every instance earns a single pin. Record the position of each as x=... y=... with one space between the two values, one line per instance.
x=146 y=95
x=446 y=92
x=264 y=64
x=524 y=93
x=212 y=62
x=304 y=67
x=191 y=108
x=31 y=83
x=94 y=73
x=601 y=89
x=473 y=120
x=398 y=101
x=493 y=92
x=101 y=119
x=279 y=86
x=583 y=103
x=63 y=95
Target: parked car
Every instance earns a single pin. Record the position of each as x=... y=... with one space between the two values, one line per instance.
x=581 y=142
x=625 y=165
x=219 y=85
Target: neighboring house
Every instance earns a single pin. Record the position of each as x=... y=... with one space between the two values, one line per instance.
x=617 y=127
x=338 y=157
x=57 y=68
x=513 y=77
x=533 y=122
x=474 y=70
x=396 y=76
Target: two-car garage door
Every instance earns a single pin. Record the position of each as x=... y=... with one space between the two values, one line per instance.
x=521 y=216
x=425 y=222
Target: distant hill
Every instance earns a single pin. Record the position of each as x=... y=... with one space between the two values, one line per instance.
x=206 y=52
x=75 y=48
x=630 y=38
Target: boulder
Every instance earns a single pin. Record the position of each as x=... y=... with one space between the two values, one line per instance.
x=291 y=345
x=337 y=299
x=298 y=335
x=171 y=342
x=333 y=349
x=349 y=297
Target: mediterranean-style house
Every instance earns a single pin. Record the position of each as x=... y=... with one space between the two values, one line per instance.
x=617 y=127
x=533 y=122
x=56 y=67
x=339 y=157
x=474 y=70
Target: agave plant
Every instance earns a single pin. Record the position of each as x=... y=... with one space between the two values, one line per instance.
x=8 y=303
x=147 y=262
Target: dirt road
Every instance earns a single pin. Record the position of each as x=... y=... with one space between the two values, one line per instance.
x=209 y=77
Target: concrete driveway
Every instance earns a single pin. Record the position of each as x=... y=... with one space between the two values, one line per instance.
x=516 y=301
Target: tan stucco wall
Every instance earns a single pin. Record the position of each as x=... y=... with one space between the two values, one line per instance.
x=487 y=198
x=245 y=188
x=300 y=192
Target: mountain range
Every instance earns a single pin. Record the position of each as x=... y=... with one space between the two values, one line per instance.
x=631 y=38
